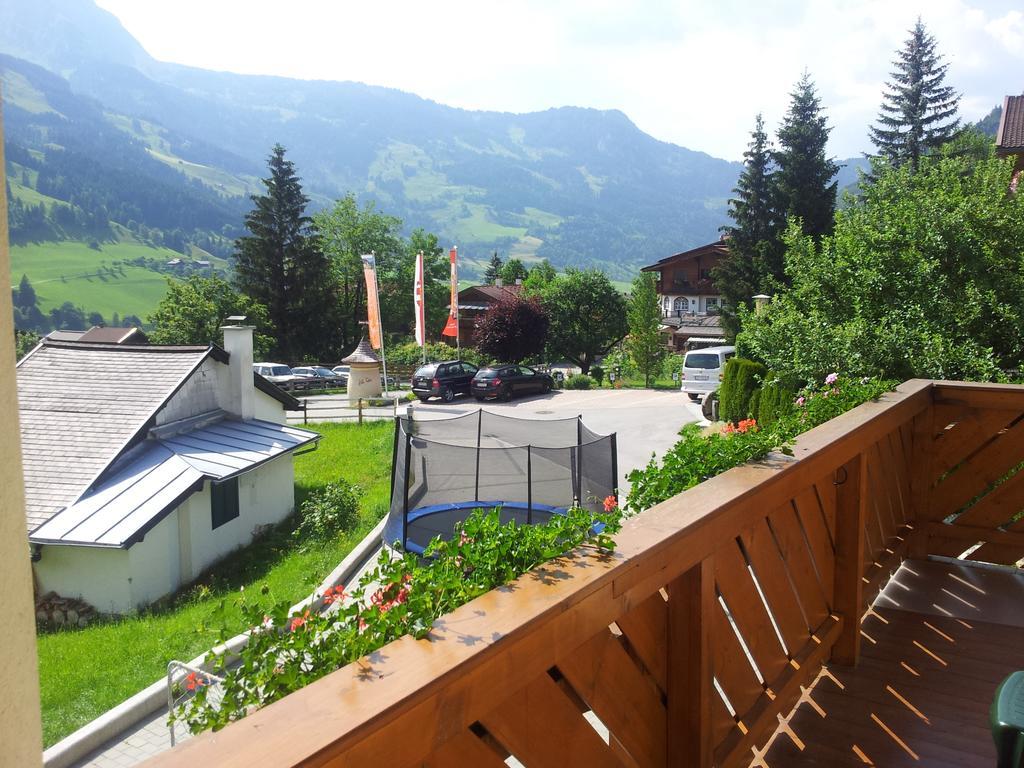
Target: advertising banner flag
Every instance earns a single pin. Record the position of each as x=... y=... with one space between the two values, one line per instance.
x=418 y=302
x=372 y=300
x=451 y=328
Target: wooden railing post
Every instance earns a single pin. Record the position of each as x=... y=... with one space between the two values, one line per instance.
x=921 y=479
x=690 y=686
x=851 y=512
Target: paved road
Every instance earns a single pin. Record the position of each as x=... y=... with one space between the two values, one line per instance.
x=646 y=421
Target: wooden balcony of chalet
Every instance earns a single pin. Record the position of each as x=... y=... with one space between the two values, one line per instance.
x=827 y=609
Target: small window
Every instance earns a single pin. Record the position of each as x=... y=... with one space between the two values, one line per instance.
x=524 y=371
x=223 y=502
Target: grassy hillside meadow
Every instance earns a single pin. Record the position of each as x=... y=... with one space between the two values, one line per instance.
x=68 y=271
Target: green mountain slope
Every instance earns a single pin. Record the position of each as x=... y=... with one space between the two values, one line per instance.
x=579 y=186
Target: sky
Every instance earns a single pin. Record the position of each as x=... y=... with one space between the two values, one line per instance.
x=688 y=72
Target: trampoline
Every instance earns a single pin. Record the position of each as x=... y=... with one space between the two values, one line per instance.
x=528 y=469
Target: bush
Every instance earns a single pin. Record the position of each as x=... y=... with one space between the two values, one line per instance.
x=410 y=355
x=329 y=511
x=579 y=381
x=742 y=379
x=775 y=401
x=597 y=373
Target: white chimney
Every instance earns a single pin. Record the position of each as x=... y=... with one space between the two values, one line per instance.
x=241 y=390
x=498 y=282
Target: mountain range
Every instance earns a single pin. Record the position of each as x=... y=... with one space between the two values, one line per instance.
x=581 y=187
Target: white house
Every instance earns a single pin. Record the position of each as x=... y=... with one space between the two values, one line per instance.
x=144 y=465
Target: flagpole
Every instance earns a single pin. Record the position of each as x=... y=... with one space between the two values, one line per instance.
x=455 y=290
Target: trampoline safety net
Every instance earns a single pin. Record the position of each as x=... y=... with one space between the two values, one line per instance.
x=530 y=468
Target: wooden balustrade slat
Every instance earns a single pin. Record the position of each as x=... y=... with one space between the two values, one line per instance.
x=541 y=725
x=888 y=563
x=762 y=720
x=623 y=696
x=902 y=440
x=887 y=493
x=894 y=481
x=690 y=696
x=748 y=611
x=722 y=723
x=812 y=520
x=971 y=433
x=978 y=395
x=977 y=474
x=851 y=497
x=731 y=665
x=879 y=524
x=793 y=547
x=644 y=628
x=825 y=490
x=922 y=444
x=998 y=506
x=465 y=749
x=773 y=577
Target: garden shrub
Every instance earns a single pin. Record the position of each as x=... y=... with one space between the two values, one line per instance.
x=404 y=594
x=774 y=401
x=742 y=378
x=579 y=381
x=697 y=457
x=329 y=511
x=597 y=373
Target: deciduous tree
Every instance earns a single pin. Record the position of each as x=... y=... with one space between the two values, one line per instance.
x=513 y=329
x=513 y=270
x=587 y=314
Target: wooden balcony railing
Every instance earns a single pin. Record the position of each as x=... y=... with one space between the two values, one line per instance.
x=685 y=646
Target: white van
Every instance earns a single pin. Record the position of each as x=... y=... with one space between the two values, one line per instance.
x=703 y=370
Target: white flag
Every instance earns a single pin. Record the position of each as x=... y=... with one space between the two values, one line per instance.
x=418 y=303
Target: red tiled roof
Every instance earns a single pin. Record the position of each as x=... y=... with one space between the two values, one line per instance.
x=491 y=292
x=1011 y=125
x=718 y=248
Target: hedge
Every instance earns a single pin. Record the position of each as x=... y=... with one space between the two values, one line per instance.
x=774 y=401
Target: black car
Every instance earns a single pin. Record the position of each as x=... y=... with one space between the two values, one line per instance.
x=444 y=380
x=506 y=381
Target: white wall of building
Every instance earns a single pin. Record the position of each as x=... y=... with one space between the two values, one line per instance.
x=101 y=576
x=269 y=409
x=201 y=393
x=175 y=551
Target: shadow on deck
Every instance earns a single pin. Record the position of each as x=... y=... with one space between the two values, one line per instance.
x=935 y=645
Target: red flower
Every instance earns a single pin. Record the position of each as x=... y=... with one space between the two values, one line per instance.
x=194 y=681
x=334 y=594
x=610 y=503
x=298 y=621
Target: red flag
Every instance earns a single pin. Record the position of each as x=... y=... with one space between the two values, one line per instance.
x=418 y=303
x=451 y=328
x=372 y=301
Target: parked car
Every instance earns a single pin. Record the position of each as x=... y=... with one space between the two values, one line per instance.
x=279 y=374
x=506 y=381
x=322 y=376
x=445 y=380
x=703 y=370
x=342 y=371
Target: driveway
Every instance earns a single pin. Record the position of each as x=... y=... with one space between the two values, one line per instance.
x=647 y=421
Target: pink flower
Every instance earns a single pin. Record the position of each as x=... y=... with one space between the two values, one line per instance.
x=799 y=402
x=832 y=378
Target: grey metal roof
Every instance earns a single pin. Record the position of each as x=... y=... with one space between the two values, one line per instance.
x=141 y=492
x=81 y=404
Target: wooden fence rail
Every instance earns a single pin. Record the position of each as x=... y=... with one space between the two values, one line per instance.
x=685 y=646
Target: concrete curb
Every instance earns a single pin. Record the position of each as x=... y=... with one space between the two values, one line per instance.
x=151 y=699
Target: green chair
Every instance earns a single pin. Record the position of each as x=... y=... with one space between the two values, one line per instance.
x=1007 y=720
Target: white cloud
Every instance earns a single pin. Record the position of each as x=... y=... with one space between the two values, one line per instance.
x=686 y=71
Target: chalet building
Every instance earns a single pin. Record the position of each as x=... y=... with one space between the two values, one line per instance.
x=1010 y=136
x=144 y=465
x=690 y=302
x=476 y=300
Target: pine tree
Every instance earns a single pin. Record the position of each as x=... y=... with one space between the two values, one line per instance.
x=279 y=265
x=918 y=112
x=25 y=296
x=493 y=270
x=754 y=262
x=804 y=179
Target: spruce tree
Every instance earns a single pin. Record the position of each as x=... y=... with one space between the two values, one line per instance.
x=918 y=112
x=804 y=179
x=278 y=264
x=493 y=270
x=643 y=314
x=754 y=261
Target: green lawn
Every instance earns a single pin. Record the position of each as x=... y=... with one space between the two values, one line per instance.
x=83 y=673
x=67 y=271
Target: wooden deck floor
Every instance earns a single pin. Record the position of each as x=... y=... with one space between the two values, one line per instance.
x=936 y=644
